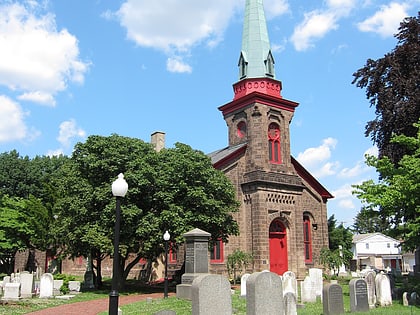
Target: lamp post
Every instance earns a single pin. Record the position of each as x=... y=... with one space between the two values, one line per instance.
x=166 y=238
x=119 y=189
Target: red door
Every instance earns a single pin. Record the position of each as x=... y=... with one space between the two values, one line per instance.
x=278 y=248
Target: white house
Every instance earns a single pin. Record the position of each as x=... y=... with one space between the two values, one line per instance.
x=378 y=251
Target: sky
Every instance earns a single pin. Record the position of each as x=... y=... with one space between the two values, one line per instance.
x=71 y=69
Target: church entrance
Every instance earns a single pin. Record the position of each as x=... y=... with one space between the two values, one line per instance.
x=278 y=247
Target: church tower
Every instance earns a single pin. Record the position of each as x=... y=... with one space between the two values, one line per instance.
x=283 y=214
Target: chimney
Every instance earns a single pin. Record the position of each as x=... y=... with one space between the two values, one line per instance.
x=158 y=140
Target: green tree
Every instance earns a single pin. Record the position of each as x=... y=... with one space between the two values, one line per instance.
x=393 y=87
x=369 y=221
x=176 y=189
x=396 y=196
x=238 y=261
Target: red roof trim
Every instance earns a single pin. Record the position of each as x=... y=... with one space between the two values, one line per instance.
x=230 y=157
x=312 y=181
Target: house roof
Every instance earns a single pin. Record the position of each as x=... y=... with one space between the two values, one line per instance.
x=357 y=238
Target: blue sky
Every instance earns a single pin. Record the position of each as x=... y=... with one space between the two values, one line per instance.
x=70 y=69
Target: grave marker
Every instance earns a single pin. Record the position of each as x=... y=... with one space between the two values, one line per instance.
x=332 y=299
x=290 y=303
x=26 y=284
x=11 y=291
x=371 y=288
x=244 y=279
x=383 y=290
x=358 y=295
x=46 y=286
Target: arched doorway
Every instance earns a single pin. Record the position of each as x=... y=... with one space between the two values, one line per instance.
x=278 y=247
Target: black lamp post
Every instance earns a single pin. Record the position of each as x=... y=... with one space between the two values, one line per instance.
x=166 y=238
x=119 y=189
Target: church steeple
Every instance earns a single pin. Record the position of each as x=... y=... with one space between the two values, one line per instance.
x=256 y=60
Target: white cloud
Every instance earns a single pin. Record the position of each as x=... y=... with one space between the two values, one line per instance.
x=55 y=152
x=314 y=156
x=274 y=8
x=344 y=196
x=177 y=65
x=68 y=131
x=372 y=151
x=386 y=21
x=12 y=124
x=35 y=57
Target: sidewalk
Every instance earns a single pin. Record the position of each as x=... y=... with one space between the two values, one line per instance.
x=93 y=307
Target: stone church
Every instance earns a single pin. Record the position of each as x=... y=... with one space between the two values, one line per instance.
x=283 y=208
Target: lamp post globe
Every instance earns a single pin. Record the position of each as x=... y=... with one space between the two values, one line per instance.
x=119 y=190
x=166 y=238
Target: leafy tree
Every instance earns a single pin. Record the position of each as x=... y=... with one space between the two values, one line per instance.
x=369 y=221
x=176 y=189
x=393 y=87
x=340 y=243
x=396 y=195
x=237 y=262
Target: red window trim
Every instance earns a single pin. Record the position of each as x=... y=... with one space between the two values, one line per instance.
x=217 y=259
x=274 y=146
x=172 y=254
x=307 y=239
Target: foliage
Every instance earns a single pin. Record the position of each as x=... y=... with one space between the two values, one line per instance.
x=176 y=189
x=238 y=261
x=369 y=221
x=396 y=195
x=393 y=88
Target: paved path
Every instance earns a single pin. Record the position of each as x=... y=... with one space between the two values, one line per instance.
x=93 y=307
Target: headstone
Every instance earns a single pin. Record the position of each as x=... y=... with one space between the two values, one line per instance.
x=6 y=279
x=88 y=276
x=307 y=291
x=57 y=286
x=358 y=295
x=244 y=279
x=196 y=260
x=11 y=291
x=74 y=286
x=405 y=299
x=46 y=286
x=289 y=283
x=316 y=276
x=371 y=288
x=264 y=294
x=210 y=294
x=413 y=298
x=332 y=299
x=26 y=284
x=290 y=303
x=383 y=290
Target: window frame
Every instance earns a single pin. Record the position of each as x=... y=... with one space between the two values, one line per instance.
x=274 y=144
x=307 y=239
x=217 y=252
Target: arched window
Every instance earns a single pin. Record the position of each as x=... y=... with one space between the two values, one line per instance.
x=241 y=129
x=274 y=152
x=307 y=239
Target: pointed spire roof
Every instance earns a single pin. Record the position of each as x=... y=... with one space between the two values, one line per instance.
x=256 y=60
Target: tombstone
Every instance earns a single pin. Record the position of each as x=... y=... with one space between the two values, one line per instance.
x=358 y=295
x=11 y=291
x=383 y=290
x=371 y=288
x=210 y=294
x=26 y=284
x=405 y=299
x=289 y=283
x=290 y=303
x=57 y=286
x=413 y=298
x=244 y=279
x=332 y=299
x=46 y=286
x=307 y=291
x=88 y=276
x=196 y=261
x=316 y=276
x=6 y=279
x=264 y=294
x=74 y=286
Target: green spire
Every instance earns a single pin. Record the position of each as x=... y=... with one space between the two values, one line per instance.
x=256 y=60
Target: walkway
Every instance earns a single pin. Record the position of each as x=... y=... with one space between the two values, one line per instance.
x=93 y=307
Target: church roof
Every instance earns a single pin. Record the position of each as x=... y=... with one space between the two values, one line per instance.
x=256 y=51
x=225 y=153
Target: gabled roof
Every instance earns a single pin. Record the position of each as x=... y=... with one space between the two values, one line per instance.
x=357 y=238
x=222 y=156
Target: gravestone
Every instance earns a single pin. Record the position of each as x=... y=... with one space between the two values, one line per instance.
x=264 y=294
x=383 y=290
x=290 y=303
x=405 y=299
x=56 y=286
x=244 y=279
x=211 y=294
x=11 y=291
x=332 y=299
x=371 y=288
x=196 y=260
x=74 y=286
x=46 y=286
x=358 y=295
x=307 y=291
x=289 y=283
x=26 y=284
x=316 y=277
